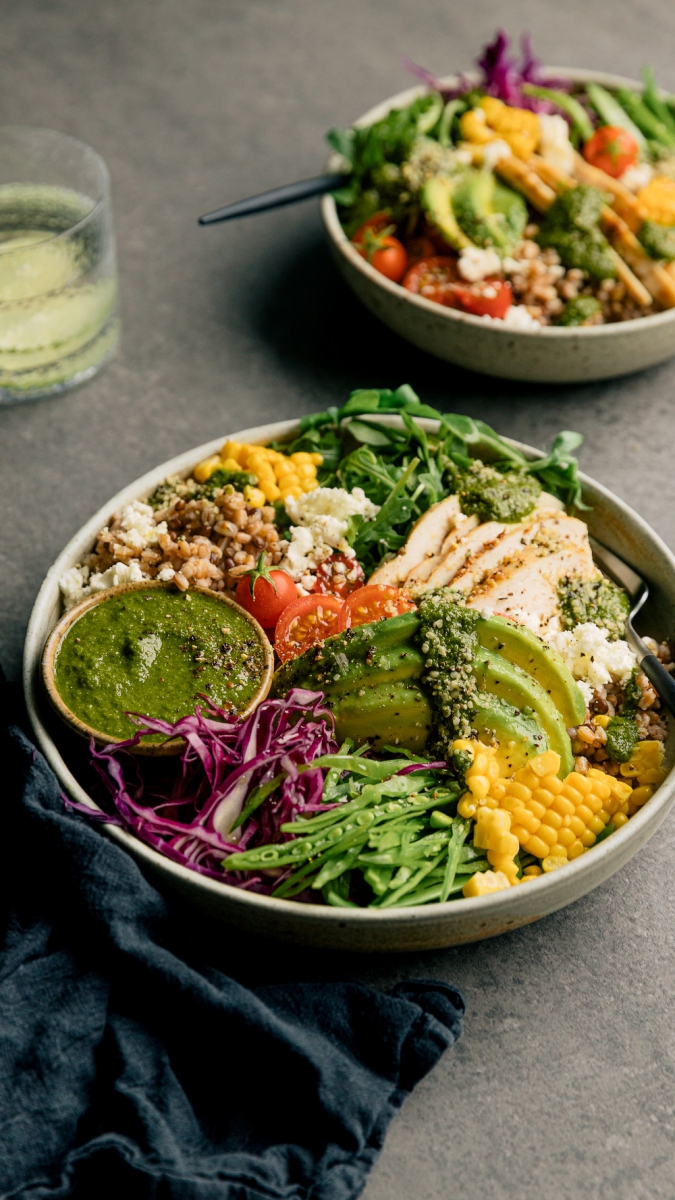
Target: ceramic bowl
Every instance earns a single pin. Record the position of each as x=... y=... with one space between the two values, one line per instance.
x=547 y=355
x=147 y=749
x=613 y=523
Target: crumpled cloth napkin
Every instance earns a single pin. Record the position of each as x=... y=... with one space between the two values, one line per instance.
x=131 y=1067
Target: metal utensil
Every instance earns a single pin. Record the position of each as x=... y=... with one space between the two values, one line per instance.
x=290 y=193
x=638 y=592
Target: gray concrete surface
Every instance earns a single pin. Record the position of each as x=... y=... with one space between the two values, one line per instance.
x=563 y=1083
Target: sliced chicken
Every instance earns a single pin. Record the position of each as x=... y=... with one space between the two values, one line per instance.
x=426 y=538
x=423 y=570
x=524 y=585
x=464 y=548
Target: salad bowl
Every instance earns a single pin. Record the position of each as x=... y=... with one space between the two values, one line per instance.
x=545 y=355
x=610 y=521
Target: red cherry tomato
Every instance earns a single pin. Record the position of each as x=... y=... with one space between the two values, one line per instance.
x=433 y=278
x=612 y=149
x=384 y=252
x=486 y=298
x=265 y=594
x=339 y=576
x=375 y=602
x=374 y=224
x=306 y=622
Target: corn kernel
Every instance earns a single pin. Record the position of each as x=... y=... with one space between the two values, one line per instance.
x=309 y=485
x=283 y=467
x=547 y=763
x=552 y=783
x=498 y=790
x=467 y=807
x=484 y=882
x=577 y=825
x=527 y=777
x=575 y=850
x=532 y=871
x=587 y=839
x=527 y=820
x=603 y=721
x=204 y=470
x=552 y=819
x=317 y=459
x=562 y=806
x=230 y=464
x=558 y=851
x=254 y=497
x=535 y=845
x=593 y=802
x=519 y=790
x=270 y=491
x=294 y=492
x=306 y=470
x=552 y=862
x=300 y=456
x=536 y=808
x=231 y=450
x=596 y=825
x=641 y=795
x=479 y=786
x=566 y=838
x=652 y=775
x=504 y=863
x=619 y=820
x=580 y=782
x=546 y=834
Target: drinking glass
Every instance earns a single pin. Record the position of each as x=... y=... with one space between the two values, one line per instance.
x=58 y=282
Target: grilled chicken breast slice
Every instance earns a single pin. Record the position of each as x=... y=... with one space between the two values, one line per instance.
x=425 y=540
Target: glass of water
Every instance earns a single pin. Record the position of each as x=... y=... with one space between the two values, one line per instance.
x=58 y=282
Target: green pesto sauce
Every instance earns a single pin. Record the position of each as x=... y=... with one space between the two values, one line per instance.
x=622 y=738
x=581 y=311
x=571 y=226
x=596 y=600
x=153 y=652
x=658 y=240
x=490 y=495
x=448 y=641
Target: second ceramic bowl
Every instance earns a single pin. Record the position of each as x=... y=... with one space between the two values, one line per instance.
x=547 y=355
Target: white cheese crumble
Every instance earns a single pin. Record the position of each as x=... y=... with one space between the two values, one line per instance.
x=494 y=152
x=517 y=317
x=554 y=142
x=138 y=528
x=320 y=522
x=475 y=264
x=636 y=178
x=593 y=660
x=77 y=583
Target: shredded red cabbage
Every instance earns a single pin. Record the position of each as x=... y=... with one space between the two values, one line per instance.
x=223 y=762
x=502 y=76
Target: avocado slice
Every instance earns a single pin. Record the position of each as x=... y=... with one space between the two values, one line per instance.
x=389 y=713
x=522 y=647
x=437 y=202
x=507 y=681
x=487 y=212
x=518 y=732
x=361 y=657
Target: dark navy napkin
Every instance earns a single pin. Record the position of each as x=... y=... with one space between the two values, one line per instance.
x=128 y=1061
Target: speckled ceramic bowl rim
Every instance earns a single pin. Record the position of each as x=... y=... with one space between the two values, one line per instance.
x=342 y=243
x=488 y=911
x=151 y=749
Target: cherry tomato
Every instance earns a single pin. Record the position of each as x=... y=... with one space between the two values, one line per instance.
x=265 y=594
x=433 y=278
x=374 y=602
x=339 y=576
x=485 y=298
x=384 y=252
x=612 y=149
x=418 y=248
x=309 y=620
x=374 y=224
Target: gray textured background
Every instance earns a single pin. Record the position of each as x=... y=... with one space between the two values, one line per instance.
x=563 y=1083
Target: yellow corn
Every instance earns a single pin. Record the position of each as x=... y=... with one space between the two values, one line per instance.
x=657 y=200
x=317 y=459
x=283 y=467
x=484 y=882
x=294 y=492
x=601 y=720
x=205 y=469
x=230 y=464
x=254 y=497
x=493 y=833
x=645 y=763
x=231 y=450
x=474 y=130
x=270 y=491
x=309 y=485
x=306 y=470
x=518 y=127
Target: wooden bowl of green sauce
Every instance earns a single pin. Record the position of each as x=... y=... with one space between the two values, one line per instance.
x=150 y=649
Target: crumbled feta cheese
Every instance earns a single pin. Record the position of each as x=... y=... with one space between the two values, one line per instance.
x=115 y=575
x=73 y=584
x=475 y=264
x=320 y=522
x=554 y=142
x=166 y=574
x=138 y=527
x=593 y=660
x=636 y=178
x=517 y=317
x=494 y=152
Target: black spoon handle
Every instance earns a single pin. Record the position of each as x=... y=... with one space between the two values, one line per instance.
x=662 y=680
x=290 y=193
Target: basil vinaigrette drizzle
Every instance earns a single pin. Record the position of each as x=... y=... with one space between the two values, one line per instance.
x=154 y=652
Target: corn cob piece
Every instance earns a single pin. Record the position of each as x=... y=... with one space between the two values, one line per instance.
x=526 y=181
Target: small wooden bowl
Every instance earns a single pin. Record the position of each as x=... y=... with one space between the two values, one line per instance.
x=150 y=749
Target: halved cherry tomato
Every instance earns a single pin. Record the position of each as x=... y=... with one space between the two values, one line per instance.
x=265 y=594
x=339 y=575
x=433 y=278
x=374 y=224
x=306 y=622
x=612 y=149
x=374 y=602
x=485 y=298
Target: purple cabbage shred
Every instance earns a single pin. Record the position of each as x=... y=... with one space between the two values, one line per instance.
x=224 y=761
